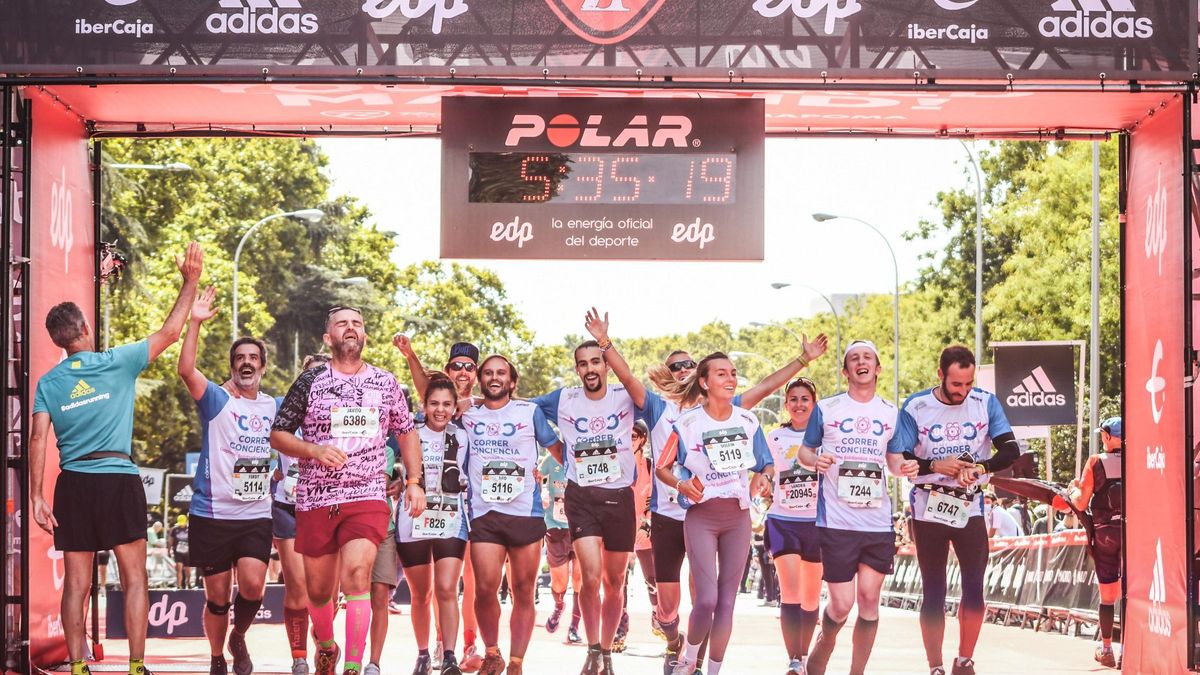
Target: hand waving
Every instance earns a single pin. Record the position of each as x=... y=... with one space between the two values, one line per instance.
x=202 y=308
x=815 y=349
x=597 y=327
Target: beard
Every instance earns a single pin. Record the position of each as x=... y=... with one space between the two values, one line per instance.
x=593 y=387
x=951 y=398
x=344 y=349
x=505 y=392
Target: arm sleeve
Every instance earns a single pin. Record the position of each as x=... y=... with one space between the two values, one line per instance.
x=40 y=404
x=402 y=421
x=295 y=403
x=213 y=401
x=542 y=430
x=906 y=436
x=133 y=358
x=548 y=404
x=1007 y=452
x=815 y=430
x=762 y=453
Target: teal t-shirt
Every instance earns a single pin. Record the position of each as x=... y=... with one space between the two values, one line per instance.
x=555 y=477
x=89 y=397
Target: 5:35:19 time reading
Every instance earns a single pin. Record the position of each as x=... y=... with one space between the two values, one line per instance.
x=593 y=178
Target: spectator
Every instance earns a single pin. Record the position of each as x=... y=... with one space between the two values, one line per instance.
x=999 y=521
x=180 y=551
x=1018 y=514
x=1043 y=522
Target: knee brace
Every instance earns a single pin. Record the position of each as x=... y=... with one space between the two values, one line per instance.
x=219 y=610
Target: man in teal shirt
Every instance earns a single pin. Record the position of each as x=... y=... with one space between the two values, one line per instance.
x=99 y=502
x=559 y=555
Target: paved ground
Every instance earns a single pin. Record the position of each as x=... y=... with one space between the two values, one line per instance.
x=756 y=647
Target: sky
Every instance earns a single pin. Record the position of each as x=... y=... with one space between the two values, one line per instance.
x=891 y=184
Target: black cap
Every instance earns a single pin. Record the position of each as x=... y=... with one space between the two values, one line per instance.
x=464 y=349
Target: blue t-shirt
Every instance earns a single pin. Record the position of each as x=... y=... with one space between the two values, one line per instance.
x=89 y=397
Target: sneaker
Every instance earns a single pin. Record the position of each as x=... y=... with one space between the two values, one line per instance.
x=217 y=666
x=963 y=666
x=493 y=664
x=435 y=659
x=591 y=666
x=517 y=668
x=471 y=660
x=606 y=667
x=573 y=635
x=423 y=667
x=371 y=669
x=242 y=665
x=327 y=660
x=618 y=645
x=656 y=626
x=671 y=657
x=683 y=667
x=937 y=671
x=395 y=608
x=299 y=666
x=450 y=667
x=555 y=618
x=1105 y=657
x=796 y=667
x=623 y=626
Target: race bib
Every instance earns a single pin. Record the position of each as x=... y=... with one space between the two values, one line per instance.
x=289 y=481
x=728 y=450
x=439 y=520
x=860 y=484
x=181 y=544
x=251 y=478
x=798 y=488
x=596 y=463
x=353 y=422
x=558 y=510
x=948 y=506
x=502 y=482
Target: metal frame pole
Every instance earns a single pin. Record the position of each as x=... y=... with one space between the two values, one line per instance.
x=1094 y=419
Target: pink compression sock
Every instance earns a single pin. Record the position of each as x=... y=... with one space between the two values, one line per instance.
x=358 y=624
x=322 y=622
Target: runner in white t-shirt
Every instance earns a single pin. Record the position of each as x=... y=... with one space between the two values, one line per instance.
x=230 y=523
x=505 y=507
x=854 y=511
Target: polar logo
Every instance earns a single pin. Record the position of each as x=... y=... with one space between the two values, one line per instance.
x=1156 y=223
x=564 y=130
x=169 y=614
x=954 y=5
x=415 y=9
x=61 y=234
x=1156 y=385
x=694 y=232
x=1095 y=19
x=807 y=9
x=520 y=232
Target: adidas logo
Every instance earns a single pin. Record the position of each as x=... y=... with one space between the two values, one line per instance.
x=264 y=17
x=184 y=495
x=1095 y=19
x=1159 y=618
x=1036 y=390
x=82 y=389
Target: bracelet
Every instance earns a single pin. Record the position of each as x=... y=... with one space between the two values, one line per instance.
x=803 y=359
x=982 y=468
x=412 y=481
x=605 y=345
x=678 y=483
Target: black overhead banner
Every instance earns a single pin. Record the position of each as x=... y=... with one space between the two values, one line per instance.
x=1036 y=383
x=1066 y=39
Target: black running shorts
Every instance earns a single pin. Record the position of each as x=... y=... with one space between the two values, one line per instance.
x=508 y=531
x=1106 y=552
x=595 y=511
x=667 y=542
x=98 y=511
x=427 y=551
x=842 y=551
x=558 y=547
x=217 y=545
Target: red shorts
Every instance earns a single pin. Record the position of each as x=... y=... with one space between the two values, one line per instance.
x=325 y=530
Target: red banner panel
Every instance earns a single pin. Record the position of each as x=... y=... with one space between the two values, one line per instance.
x=1157 y=462
x=62 y=239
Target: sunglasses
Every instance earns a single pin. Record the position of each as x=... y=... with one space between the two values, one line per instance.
x=337 y=308
x=681 y=365
x=461 y=365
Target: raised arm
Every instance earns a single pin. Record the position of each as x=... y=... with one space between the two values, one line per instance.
x=598 y=328
x=202 y=310
x=420 y=379
x=812 y=350
x=190 y=266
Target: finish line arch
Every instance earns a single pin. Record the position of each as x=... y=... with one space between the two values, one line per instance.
x=75 y=72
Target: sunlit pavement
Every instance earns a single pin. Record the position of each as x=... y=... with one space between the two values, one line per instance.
x=756 y=646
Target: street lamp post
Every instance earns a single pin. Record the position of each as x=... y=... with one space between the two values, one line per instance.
x=978 y=255
x=822 y=217
x=837 y=323
x=310 y=215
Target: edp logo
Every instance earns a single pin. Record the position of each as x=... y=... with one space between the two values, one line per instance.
x=516 y=230
x=693 y=232
x=171 y=614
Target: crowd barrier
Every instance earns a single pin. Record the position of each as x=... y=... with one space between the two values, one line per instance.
x=1045 y=582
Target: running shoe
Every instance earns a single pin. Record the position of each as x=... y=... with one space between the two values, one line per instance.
x=299 y=666
x=450 y=667
x=592 y=665
x=673 y=656
x=493 y=664
x=796 y=667
x=555 y=618
x=573 y=635
x=371 y=669
x=1106 y=657
x=327 y=660
x=435 y=659
x=962 y=667
x=656 y=626
x=242 y=665
x=623 y=626
x=423 y=667
x=937 y=671
x=471 y=660
x=682 y=667
x=606 y=666
x=618 y=645
x=217 y=666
